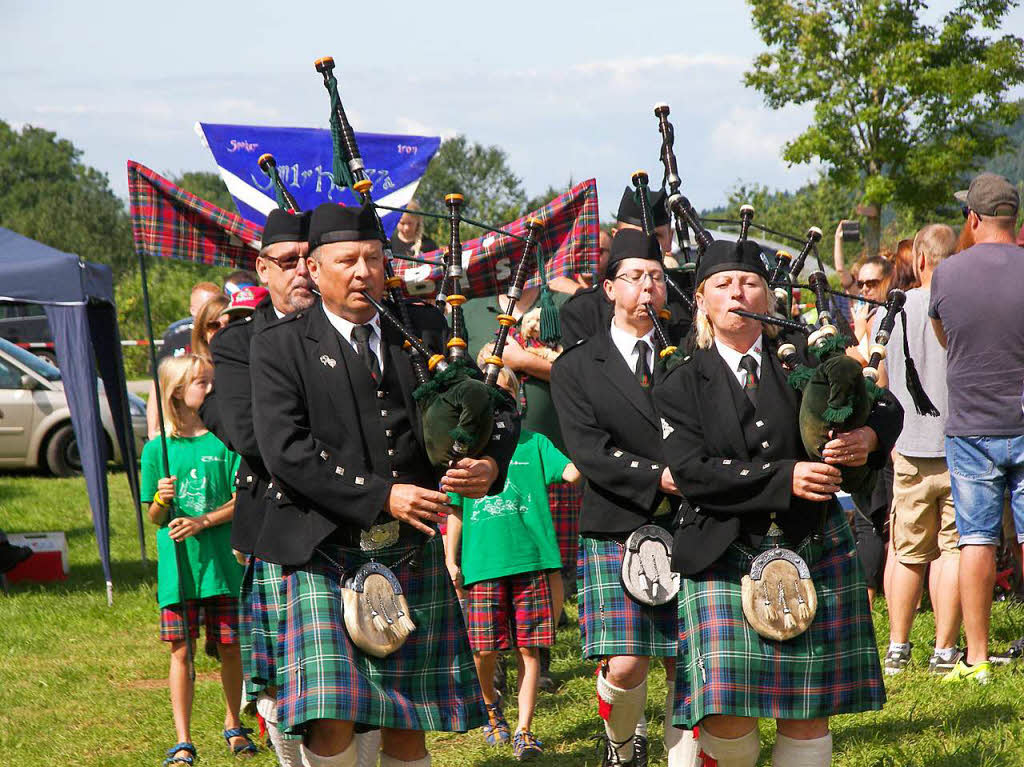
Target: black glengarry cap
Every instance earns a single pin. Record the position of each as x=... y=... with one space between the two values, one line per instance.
x=283 y=226
x=342 y=223
x=727 y=256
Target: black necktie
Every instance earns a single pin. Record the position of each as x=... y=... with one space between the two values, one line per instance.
x=749 y=364
x=642 y=371
x=361 y=334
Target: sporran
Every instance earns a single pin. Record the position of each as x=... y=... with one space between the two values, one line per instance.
x=646 y=566
x=376 y=612
x=779 y=598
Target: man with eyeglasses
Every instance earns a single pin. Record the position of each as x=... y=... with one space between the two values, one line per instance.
x=602 y=389
x=975 y=312
x=227 y=412
x=589 y=311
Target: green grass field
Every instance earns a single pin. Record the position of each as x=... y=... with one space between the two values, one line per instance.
x=84 y=684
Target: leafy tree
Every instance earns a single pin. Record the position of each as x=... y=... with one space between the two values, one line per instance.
x=494 y=194
x=208 y=186
x=901 y=108
x=48 y=194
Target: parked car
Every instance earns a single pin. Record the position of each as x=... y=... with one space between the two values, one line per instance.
x=25 y=323
x=35 y=422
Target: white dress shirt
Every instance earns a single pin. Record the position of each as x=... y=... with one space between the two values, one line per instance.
x=625 y=342
x=344 y=328
x=732 y=359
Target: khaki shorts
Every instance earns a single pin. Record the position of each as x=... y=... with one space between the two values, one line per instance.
x=923 y=519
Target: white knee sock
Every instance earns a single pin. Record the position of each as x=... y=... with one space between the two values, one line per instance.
x=789 y=752
x=680 y=745
x=288 y=750
x=390 y=761
x=368 y=747
x=732 y=752
x=627 y=708
x=346 y=758
x=641 y=726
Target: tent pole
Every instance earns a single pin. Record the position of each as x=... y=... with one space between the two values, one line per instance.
x=179 y=553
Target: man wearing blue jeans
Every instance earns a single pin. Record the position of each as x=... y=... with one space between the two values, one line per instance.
x=975 y=312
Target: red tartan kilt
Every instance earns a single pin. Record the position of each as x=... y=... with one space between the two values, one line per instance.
x=565 y=500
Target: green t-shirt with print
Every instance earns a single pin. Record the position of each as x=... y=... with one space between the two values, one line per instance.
x=205 y=469
x=512 y=532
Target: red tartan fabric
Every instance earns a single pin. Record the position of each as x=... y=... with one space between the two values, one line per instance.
x=565 y=500
x=514 y=611
x=168 y=222
x=220 y=616
x=569 y=244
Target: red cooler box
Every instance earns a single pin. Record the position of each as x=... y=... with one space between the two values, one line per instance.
x=49 y=560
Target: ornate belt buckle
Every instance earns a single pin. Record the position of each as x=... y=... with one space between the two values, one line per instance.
x=379 y=536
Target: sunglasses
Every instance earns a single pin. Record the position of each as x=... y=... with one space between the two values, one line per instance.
x=868 y=283
x=284 y=264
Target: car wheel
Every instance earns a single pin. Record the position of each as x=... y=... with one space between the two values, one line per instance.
x=62 y=458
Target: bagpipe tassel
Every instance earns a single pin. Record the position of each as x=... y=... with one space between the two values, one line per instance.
x=922 y=402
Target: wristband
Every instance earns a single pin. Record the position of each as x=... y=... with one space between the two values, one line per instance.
x=157 y=501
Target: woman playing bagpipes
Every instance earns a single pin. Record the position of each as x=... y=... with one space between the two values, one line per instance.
x=773 y=614
x=602 y=389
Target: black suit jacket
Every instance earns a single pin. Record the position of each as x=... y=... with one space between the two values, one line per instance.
x=736 y=479
x=589 y=312
x=232 y=420
x=320 y=431
x=612 y=433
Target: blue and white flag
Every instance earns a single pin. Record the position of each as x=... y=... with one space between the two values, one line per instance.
x=394 y=163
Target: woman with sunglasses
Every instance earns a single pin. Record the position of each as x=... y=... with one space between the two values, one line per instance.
x=208 y=321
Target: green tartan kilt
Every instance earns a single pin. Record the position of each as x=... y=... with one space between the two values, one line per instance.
x=262 y=592
x=725 y=667
x=430 y=683
x=611 y=622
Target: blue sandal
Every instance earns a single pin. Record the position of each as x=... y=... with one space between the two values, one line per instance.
x=249 y=748
x=183 y=746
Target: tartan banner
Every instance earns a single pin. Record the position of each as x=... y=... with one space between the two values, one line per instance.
x=569 y=244
x=168 y=222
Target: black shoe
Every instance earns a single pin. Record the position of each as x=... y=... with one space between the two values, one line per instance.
x=610 y=757
x=11 y=556
x=639 y=751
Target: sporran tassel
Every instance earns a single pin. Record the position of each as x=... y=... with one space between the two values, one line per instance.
x=802 y=609
x=403 y=624
x=767 y=607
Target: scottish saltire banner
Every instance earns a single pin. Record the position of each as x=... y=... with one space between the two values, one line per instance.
x=395 y=164
x=168 y=222
x=569 y=244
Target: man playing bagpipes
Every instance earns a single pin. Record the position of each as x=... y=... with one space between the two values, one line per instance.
x=373 y=634
x=281 y=266
x=603 y=393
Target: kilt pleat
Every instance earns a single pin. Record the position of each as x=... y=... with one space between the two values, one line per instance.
x=725 y=667
x=430 y=683
x=611 y=623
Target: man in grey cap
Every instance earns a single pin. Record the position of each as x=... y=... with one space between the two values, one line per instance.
x=975 y=311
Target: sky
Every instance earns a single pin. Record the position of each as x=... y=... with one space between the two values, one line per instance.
x=566 y=89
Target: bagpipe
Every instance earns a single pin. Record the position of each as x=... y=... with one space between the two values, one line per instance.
x=837 y=394
x=285 y=200
x=669 y=355
x=458 y=408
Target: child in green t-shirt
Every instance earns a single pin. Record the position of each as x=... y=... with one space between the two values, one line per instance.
x=509 y=556
x=193 y=507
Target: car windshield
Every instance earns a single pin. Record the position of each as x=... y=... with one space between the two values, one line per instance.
x=29 y=360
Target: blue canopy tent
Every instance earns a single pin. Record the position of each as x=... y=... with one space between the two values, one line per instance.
x=79 y=302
